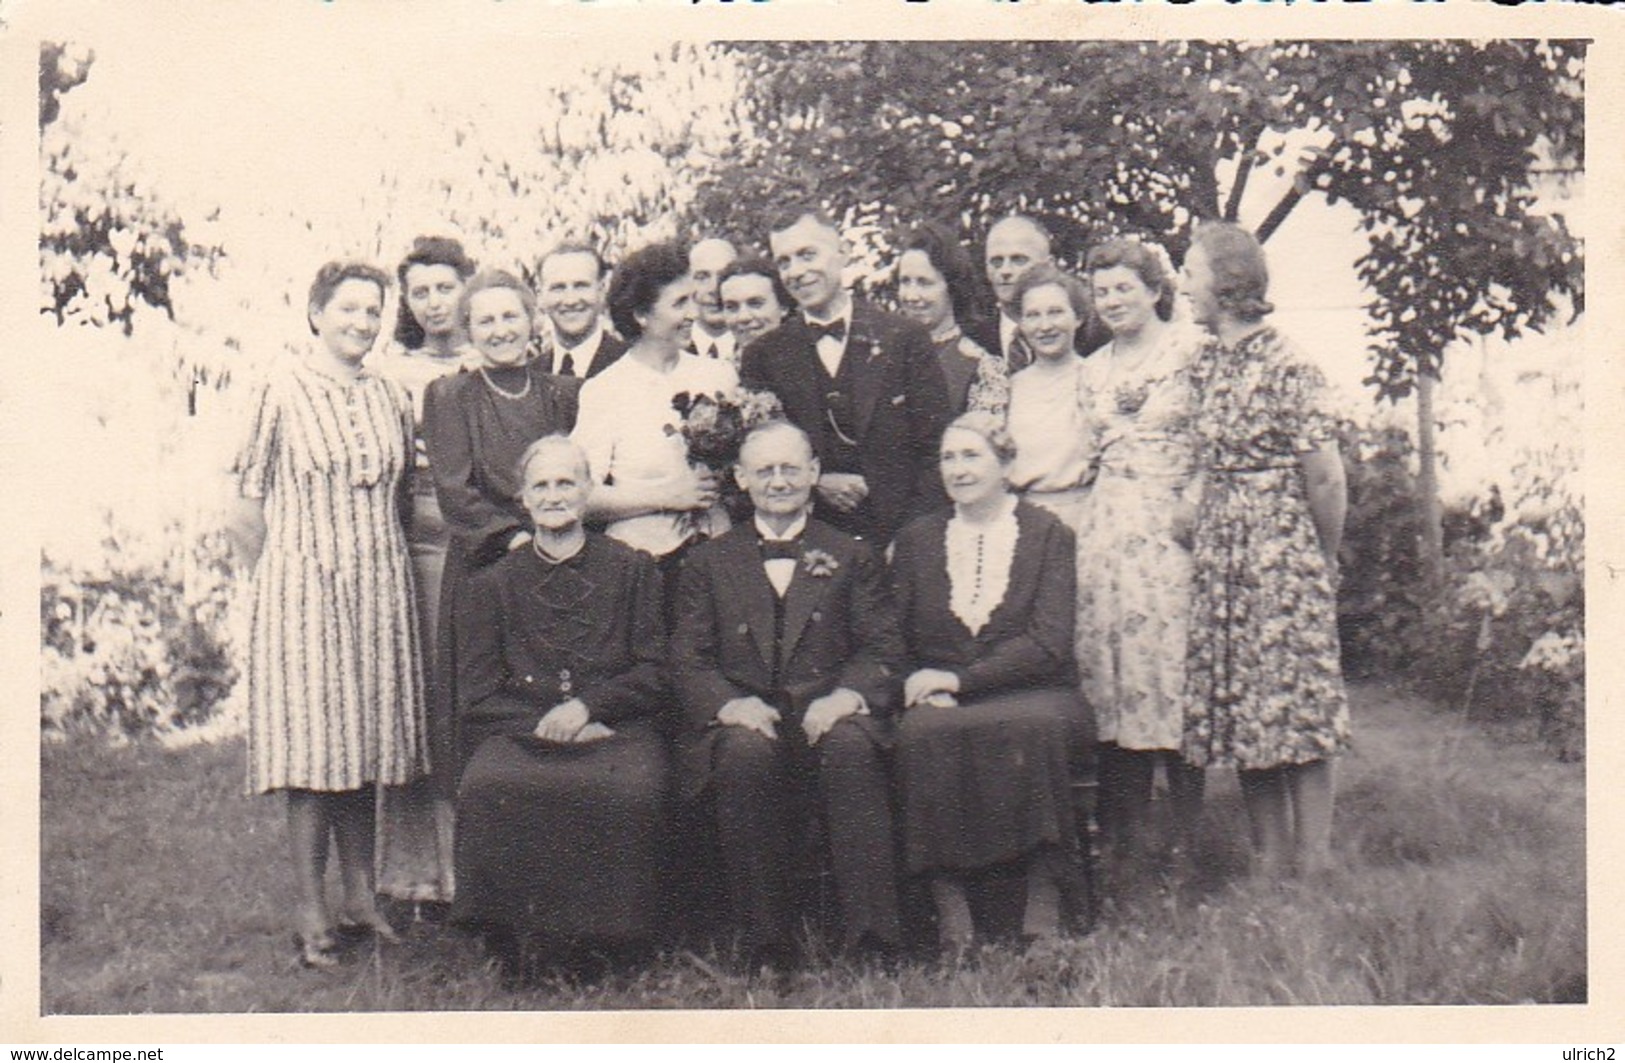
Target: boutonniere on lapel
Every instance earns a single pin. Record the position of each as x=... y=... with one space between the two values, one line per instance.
x=820 y=563
x=875 y=350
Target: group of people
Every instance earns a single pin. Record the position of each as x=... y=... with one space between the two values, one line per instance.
x=510 y=651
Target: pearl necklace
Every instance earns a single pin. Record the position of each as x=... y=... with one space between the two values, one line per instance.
x=492 y=384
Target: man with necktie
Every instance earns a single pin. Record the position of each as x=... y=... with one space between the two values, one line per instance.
x=571 y=283
x=785 y=656
x=1016 y=245
x=710 y=338
x=864 y=384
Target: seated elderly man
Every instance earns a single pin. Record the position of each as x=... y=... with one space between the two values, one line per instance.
x=560 y=819
x=785 y=655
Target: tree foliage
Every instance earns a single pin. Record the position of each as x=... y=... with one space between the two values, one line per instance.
x=107 y=243
x=1437 y=144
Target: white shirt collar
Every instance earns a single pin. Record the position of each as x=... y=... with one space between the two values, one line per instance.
x=702 y=340
x=588 y=345
x=1007 y=330
x=795 y=529
x=845 y=315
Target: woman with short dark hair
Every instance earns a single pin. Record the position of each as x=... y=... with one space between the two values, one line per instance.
x=938 y=286
x=414 y=828
x=1264 y=685
x=334 y=689
x=754 y=299
x=648 y=494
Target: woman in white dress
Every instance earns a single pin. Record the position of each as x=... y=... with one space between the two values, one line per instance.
x=647 y=493
x=1054 y=451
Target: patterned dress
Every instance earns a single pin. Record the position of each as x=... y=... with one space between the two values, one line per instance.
x=1264 y=685
x=1134 y=570
x=335 y=690
x=976 y=379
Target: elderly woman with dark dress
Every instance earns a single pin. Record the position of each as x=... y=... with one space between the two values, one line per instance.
x=477 y=423
x=560 y=811
x=992 y=718
x=1264 y=686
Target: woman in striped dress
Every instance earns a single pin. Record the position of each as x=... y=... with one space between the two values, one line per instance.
x=335 y=690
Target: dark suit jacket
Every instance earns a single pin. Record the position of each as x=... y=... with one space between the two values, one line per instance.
x=899 y=404
x=610 y=349
x=839 y=631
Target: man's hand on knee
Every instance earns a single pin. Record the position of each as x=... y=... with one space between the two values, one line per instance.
x=825 y=712
x=751 y=713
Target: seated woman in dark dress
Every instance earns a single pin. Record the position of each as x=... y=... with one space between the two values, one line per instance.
x=560 y=811
x=986 y=594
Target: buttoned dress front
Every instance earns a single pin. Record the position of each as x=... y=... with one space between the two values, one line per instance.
x=562 y=839
x=334 y=685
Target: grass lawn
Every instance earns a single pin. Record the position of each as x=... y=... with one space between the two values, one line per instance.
x=1460 y=880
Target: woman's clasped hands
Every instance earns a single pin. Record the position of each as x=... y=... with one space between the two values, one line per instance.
x=933 y=687
x=569 y=722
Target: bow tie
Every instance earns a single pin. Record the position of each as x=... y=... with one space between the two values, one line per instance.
x=835 y=330
x=781 y=549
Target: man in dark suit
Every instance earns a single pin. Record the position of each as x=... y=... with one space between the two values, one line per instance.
x=571 y=279
x=865 y=386
x=1016 y=244
x=786 y=658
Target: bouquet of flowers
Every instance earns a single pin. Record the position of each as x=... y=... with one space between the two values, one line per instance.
x=713 y=428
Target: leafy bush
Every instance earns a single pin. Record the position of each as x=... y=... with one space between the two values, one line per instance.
x=1502 y=636
x=1381 y=600
x=127 y=653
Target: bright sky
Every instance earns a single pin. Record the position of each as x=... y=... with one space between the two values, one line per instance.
x=269 y=126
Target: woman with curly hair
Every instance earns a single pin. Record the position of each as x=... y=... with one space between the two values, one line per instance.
x=647 y=493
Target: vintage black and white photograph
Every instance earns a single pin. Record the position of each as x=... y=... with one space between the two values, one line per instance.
x=542 y=520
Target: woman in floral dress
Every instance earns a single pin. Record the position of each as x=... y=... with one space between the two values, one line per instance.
x=1264 y=686
x=1134 y=564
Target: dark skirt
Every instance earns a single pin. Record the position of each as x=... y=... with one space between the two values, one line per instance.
x=564 y=841
x=988 y=782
